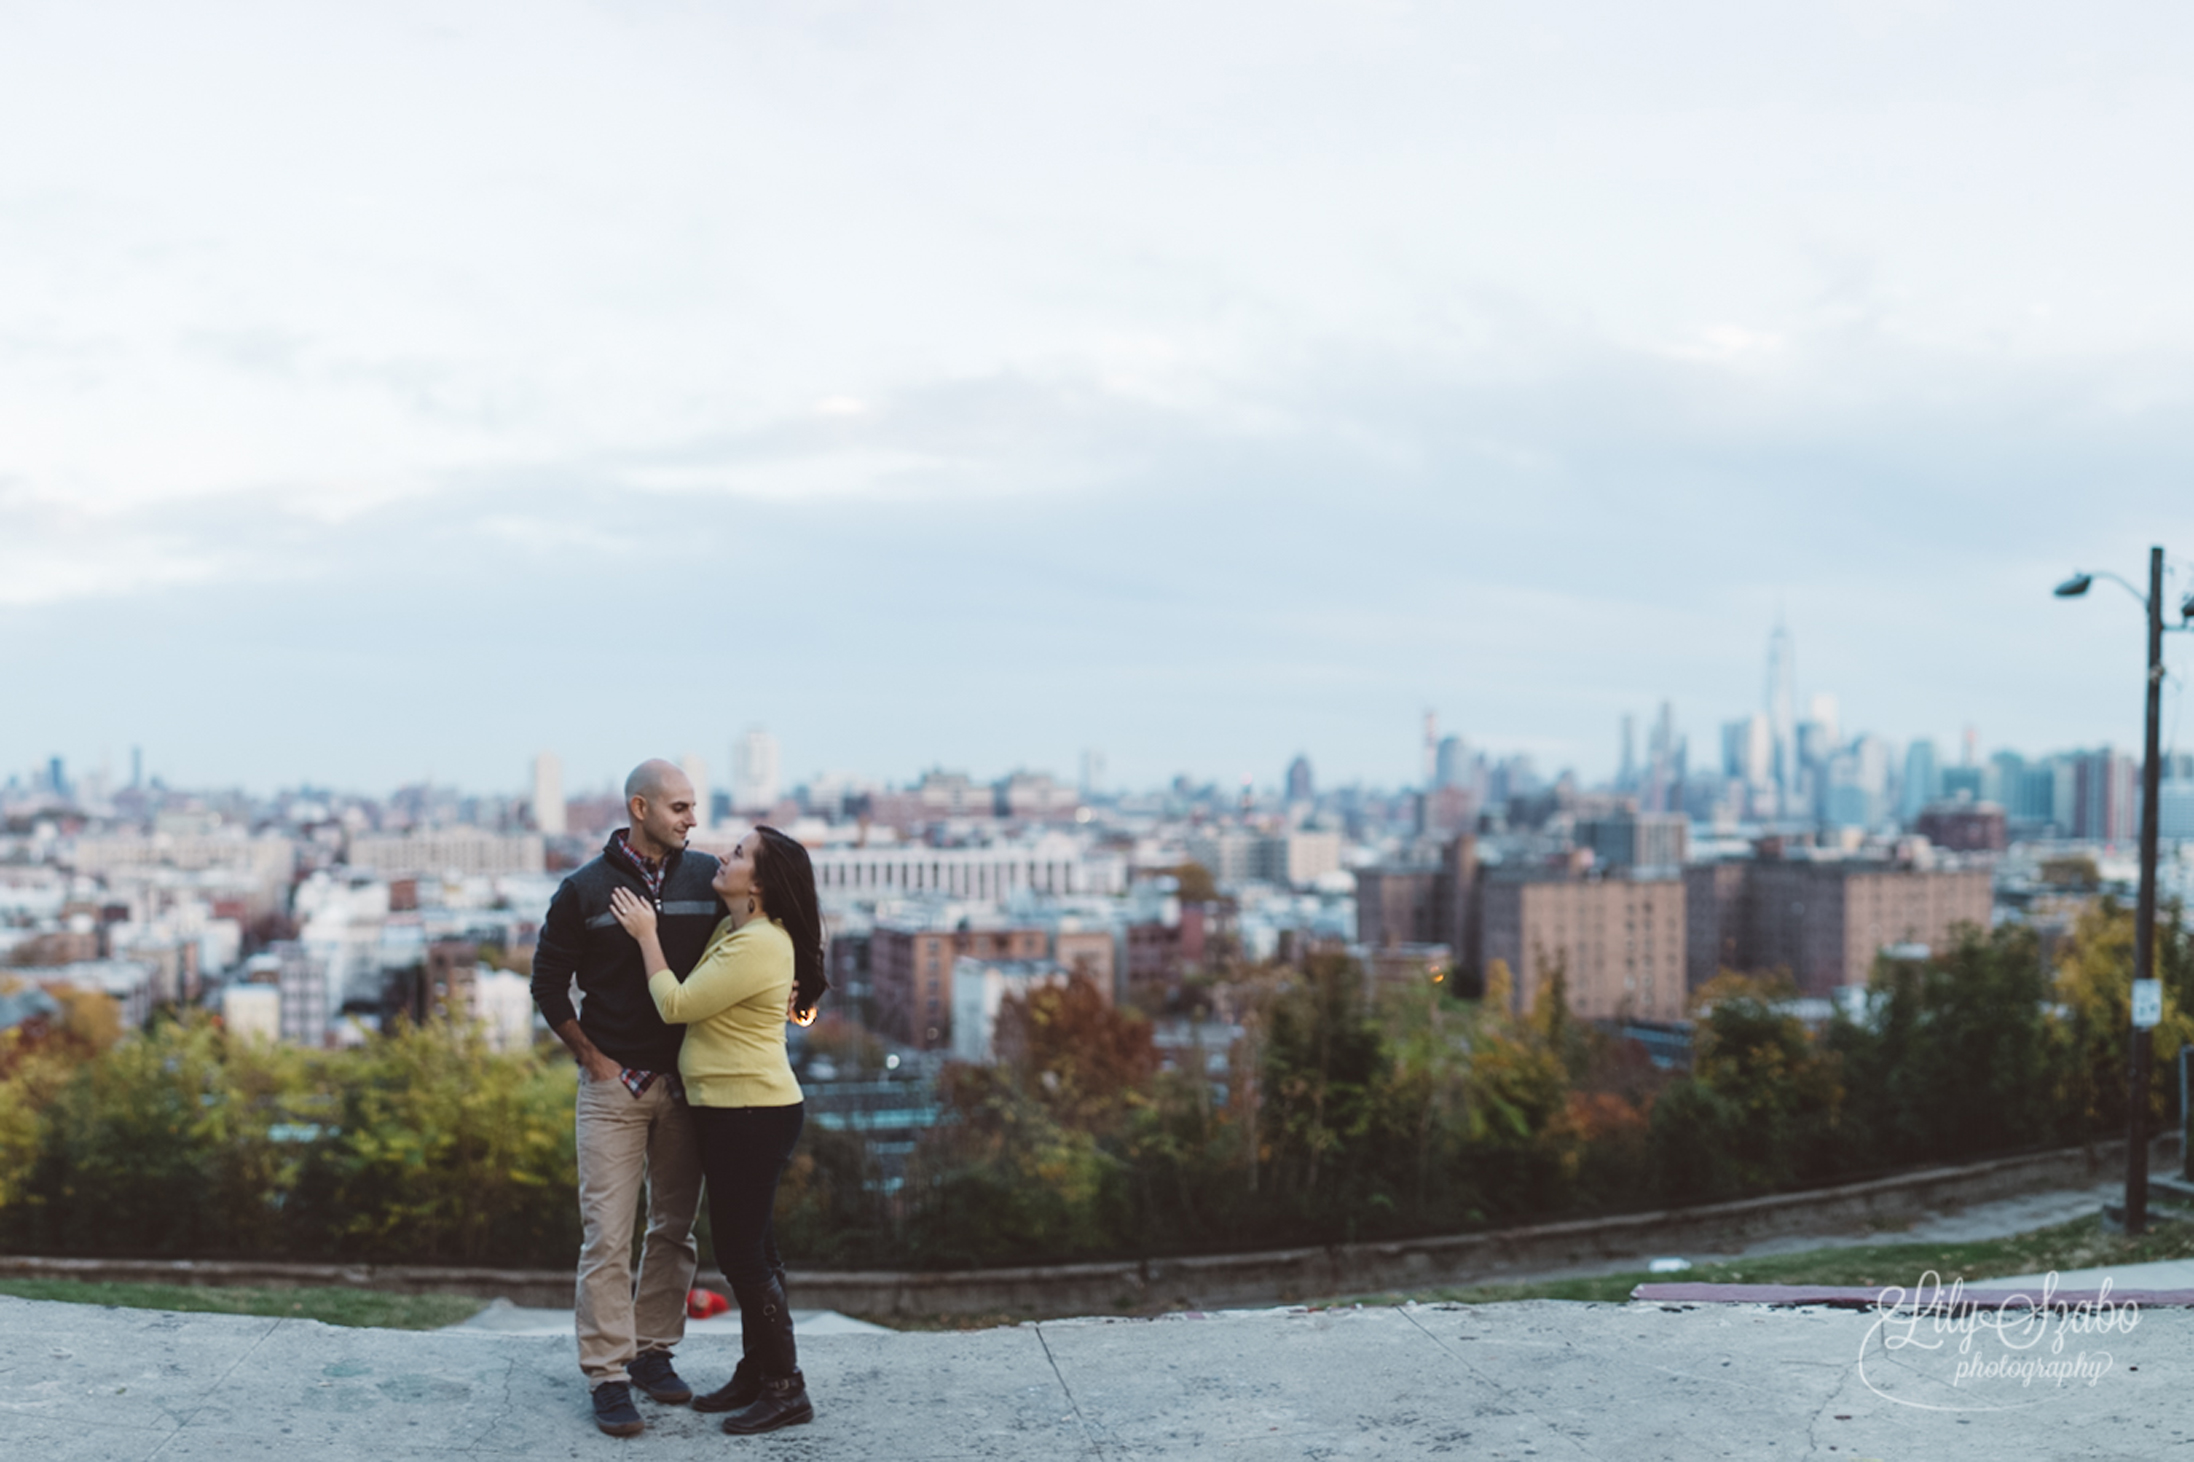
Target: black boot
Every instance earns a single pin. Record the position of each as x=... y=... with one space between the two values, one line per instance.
x=784 y=1399
x=784 y=1403
x=745 y=1386
x=741 y=1391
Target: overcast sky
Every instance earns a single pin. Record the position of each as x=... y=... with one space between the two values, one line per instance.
x=394 y=391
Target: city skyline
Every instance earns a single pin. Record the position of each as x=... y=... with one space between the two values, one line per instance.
x=983 y=388
x=751 y=770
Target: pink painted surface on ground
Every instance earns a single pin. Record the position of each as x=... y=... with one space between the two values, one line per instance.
x=1858 y=1297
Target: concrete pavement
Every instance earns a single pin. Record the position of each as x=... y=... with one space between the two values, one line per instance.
x=1542 y=1379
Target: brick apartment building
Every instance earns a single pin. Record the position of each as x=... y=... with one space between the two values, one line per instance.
x=1619 y=942
x=910 y=974
x=1964 y=827
x=1159 y=954
x=1427 y=903
x=1822 y=922
x=910 y=969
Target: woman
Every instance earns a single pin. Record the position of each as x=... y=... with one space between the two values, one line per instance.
x=766 y=958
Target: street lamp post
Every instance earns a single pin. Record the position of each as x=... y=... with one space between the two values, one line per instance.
x=2144 y=928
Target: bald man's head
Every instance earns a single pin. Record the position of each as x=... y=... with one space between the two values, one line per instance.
x=652 y=776
x=659 y=798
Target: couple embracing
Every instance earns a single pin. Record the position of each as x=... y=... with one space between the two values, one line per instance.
x=687 y=969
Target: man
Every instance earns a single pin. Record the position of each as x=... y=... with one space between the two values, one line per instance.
x=632 y=1122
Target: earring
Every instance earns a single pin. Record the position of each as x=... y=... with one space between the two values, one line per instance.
x=750 y=905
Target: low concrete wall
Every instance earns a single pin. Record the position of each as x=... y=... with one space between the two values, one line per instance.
x=1212 y=1281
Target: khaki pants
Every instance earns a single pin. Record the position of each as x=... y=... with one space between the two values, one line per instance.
x=625 y=1141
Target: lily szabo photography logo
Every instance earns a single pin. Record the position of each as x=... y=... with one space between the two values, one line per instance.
x=1940 y=1349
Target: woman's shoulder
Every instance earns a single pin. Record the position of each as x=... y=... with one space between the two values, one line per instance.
x=755 y=934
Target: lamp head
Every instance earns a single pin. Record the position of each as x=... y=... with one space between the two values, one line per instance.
x=2075 y=586
x=2186 y=608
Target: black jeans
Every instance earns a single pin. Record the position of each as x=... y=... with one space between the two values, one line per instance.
x=743 y=1153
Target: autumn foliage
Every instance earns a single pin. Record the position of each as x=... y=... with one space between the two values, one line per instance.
x=1340 y=1112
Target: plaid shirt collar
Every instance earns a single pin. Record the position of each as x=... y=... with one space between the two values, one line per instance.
x=651 y=872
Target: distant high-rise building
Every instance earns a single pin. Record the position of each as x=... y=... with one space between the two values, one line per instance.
x=2025 y=790
x=137 y=767
x=2175 y=809
x=1818 y=739
x=1781 y=708
x=2105 y=800
x=755 y=779
x=1856 y=793
x=1299 y=785
x=1662 y=790
x=1452 y=767
x=57 y=777
x=548 y=795
x=1821 y=711
x=1428 y=765
x=1634 y=840
x=696 y=770
x=1626 y=770
x=1923 y=779
x=1748 y=752
x=1093 y=773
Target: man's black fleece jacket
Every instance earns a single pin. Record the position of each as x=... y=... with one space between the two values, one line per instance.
x=581 y=937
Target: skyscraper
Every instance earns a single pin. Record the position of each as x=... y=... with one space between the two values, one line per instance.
x=755 y=782
x=1093 y=773
x=1923 y=779
x=548 y=795
x=696 y=771
x=1664 y=772
x=1428 y=766
x=1299 y=786
x=1782 y=699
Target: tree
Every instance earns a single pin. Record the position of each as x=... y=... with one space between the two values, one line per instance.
x=1763 y=1106
x=2094 y=986
x=1953 y=1059
x=1071 y=1049
x=1517 y=1096
x=1322 y=1059
x=1194 y=883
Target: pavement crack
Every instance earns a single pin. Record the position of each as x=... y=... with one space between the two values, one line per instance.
x=510 y=1374
x=1454 y=1355
x=1079 y=1419
x=1508 y=1397
x=249 y=1351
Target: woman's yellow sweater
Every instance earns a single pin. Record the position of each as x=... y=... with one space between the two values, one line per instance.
x=733 y=1009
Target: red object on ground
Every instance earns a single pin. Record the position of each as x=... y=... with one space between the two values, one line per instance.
x=701 y=1304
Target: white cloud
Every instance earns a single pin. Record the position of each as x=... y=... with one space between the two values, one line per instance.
x=1664 y=297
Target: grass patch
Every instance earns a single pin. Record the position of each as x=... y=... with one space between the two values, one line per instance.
x=363 y=1307
x=2080 y=1244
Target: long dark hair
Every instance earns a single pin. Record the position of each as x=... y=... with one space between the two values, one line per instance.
x=785 y=877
